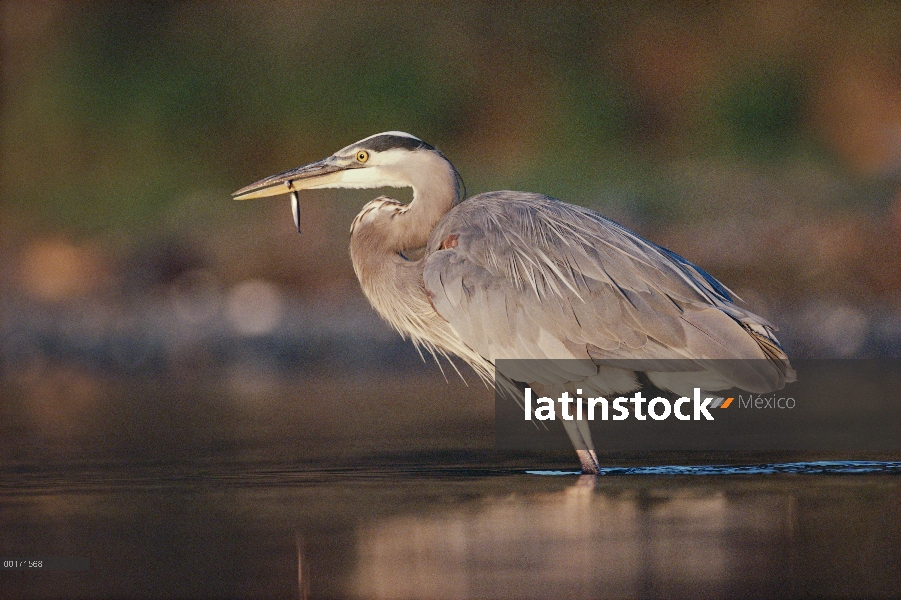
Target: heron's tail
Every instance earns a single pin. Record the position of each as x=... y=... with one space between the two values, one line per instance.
x=765 y=336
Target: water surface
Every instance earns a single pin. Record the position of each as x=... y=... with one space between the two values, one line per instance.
x=458 y=531
x=247 y=485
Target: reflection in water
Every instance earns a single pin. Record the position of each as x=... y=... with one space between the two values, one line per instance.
x=572 y=543
x=460 y=533
x=303 y=575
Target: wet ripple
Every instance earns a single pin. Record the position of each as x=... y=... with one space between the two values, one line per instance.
x=826 y=467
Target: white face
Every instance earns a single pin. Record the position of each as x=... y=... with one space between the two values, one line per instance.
x=368 y=169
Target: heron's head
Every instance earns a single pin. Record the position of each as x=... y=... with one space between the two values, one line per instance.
x=390 y=159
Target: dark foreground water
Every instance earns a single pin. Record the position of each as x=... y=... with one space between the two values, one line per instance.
x=247 y=485
x=819 y=529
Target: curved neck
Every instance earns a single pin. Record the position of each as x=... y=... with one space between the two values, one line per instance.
x=435 y=191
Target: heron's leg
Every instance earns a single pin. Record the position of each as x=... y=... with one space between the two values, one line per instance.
x=577 y=430
x=592 y=456
x=580 y=436
x=589 y=461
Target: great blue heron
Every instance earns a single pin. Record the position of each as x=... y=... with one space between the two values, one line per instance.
x=516 y=275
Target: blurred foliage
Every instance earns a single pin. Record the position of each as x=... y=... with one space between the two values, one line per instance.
x=115 y=111
x=764 y=111
x=130 y=120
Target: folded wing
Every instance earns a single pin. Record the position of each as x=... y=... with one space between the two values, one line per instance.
x=531 y=277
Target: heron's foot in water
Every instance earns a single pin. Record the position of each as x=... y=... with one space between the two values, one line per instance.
x=589 y=461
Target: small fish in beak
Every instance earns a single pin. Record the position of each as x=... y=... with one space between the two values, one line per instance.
x=295 y=209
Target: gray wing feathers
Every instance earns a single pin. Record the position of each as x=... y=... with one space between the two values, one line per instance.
x=531 y=277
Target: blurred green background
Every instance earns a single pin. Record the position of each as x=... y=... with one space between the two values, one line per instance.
x=125 y=123
x=760 y=139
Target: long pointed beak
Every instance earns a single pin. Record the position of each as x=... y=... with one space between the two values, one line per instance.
x=314 y=175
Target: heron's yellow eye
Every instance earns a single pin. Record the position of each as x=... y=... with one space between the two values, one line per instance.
x=362 y=156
